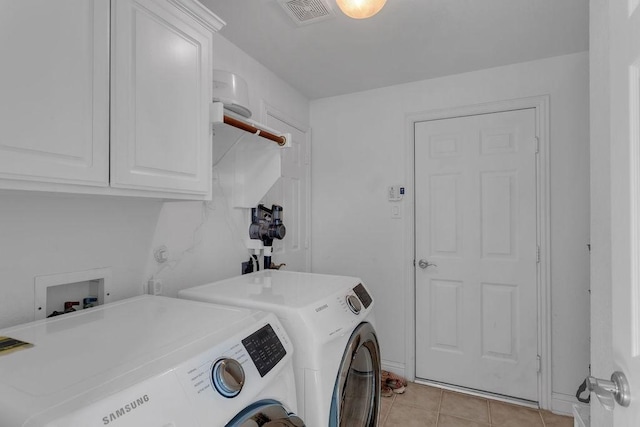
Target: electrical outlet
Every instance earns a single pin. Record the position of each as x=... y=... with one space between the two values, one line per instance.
x=247 y=267
x=154 y=287
x=161 y=254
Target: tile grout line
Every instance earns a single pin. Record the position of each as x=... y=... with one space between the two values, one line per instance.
x=542 y=418
x=386 y=417
x=439 y=407
x=475 y=420
x=491 y=422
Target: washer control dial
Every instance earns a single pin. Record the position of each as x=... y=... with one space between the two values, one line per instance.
x=354 y=304
x=228 y=377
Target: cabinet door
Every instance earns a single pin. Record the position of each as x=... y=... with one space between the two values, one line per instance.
x=161 y=91
x=54 y=81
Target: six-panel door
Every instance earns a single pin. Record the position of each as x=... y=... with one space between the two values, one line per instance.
x=476 y=297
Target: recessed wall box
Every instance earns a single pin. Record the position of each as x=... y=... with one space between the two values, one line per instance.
x=54 y=290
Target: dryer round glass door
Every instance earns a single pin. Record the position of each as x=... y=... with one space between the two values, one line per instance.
x=356 y=395
x=265 y=413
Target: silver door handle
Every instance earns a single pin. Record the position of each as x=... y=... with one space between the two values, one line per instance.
x=423 y=263
x=609 y=391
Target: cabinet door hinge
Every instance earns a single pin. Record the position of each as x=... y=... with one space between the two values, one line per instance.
x=537 y=145
x=537 y=254
x=538 y=363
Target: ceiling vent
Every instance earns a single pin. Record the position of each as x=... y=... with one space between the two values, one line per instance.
x=304 y=12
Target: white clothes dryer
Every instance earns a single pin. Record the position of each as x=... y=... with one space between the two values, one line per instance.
x=330 y=322
x=149 y=361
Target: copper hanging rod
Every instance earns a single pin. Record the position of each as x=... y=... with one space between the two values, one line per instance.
x=278 y=139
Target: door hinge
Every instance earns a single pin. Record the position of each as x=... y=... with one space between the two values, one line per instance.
x=537 y=254
x=538 y=363
x=537 y=145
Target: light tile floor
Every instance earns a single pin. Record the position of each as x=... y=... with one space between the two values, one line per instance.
x=424 y=406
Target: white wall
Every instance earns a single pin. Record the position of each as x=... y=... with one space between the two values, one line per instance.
x=44 y=234
x=358 y=150
x=264 y=86
x=206 y=240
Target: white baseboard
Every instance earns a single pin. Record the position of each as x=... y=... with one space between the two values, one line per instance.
x=562 y=404
x=395 y=367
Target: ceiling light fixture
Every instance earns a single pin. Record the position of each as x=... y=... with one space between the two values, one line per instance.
x=360 y=9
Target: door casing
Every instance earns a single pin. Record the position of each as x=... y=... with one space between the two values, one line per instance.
x=541 y=106
x=266 y=111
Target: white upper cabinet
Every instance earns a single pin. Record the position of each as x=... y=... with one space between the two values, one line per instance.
x=54 y=86
x=106 y=97
x=161 y=93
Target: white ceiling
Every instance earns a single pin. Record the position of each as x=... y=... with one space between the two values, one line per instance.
x=408 y=40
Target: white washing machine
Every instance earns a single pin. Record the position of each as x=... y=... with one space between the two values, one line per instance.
x=149 y=361
x=330 y=322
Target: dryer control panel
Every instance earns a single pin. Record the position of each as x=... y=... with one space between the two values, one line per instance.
x=363 y=295
x=337 y=314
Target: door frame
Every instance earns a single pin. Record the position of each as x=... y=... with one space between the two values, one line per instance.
x=267 y=109
x=543 y=215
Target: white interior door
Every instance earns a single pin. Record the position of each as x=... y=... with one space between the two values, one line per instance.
x=476 y=300
x=292 y=192
x=625 y=199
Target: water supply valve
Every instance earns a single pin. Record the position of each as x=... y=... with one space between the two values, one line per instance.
x=266 y=224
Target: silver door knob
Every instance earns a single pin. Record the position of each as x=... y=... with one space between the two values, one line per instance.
x=609 y=391
x=423 y=263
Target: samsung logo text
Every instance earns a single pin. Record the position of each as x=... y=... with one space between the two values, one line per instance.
x=120 y=412
x=322 y=307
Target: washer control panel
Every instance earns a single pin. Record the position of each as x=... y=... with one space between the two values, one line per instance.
x=237 y=368
x=217 y=371
x=227 y=376
x=265 y=349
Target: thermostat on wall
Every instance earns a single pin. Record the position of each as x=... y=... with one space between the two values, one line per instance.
x=396 y=193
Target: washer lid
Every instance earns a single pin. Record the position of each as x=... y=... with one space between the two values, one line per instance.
x=98 y=345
